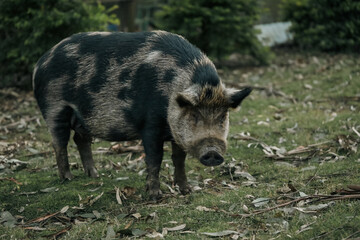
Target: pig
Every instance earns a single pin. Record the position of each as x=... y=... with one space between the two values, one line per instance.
x=154 y=86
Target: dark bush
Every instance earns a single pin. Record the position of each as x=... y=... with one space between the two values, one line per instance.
x=28 y=28
x=326 y=25
x=218 y=27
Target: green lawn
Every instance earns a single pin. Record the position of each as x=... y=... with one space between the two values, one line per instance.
x=299 y=101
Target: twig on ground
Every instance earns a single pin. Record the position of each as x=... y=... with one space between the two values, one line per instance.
x=10 y=179
x=9 y=93
x=317 y=197
x=15 y=124
x=57 y=234
x=350 y=236
x=355 y=131
x=41 y=219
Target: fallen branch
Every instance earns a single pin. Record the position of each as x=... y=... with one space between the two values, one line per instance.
x=352 y=189
x=317 y=197
x=11 y=179
x=40 y=219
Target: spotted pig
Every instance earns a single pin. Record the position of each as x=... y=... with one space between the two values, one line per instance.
x=153 y=86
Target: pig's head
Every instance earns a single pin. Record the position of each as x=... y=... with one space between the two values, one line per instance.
x=199 y=120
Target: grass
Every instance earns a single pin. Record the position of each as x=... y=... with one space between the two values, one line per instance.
x=320 y=103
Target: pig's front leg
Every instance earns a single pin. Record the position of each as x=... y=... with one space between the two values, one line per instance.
x=153 y=145
x=178 y=157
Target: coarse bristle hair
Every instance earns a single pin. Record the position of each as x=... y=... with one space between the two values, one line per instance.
x=213 y=96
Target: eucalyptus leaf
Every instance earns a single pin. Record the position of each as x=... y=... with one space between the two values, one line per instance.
x=260 y=202
x=220 y=234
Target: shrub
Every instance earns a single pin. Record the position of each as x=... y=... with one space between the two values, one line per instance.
x=28 y=28
x=326 y=25
x=218 y=27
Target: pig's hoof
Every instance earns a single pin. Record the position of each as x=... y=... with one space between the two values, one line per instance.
x=92 y=172
x=66 y=176
x=155 y=195
x=185 y=189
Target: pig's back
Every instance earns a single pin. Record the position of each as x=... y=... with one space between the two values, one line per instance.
x=116 y=83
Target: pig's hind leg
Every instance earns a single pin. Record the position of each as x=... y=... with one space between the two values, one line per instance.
x=59 y=126
x=178 y=157
x=83 y=143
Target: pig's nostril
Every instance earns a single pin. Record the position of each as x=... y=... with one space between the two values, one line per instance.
x=206 y=157
x=211 y=158
x=219 y=159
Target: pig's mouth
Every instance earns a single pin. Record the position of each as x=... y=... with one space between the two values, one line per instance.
x=209 y=151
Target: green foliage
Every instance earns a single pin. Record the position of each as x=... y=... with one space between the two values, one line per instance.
x=218 y=27
x=28 y=28
x=326 y=25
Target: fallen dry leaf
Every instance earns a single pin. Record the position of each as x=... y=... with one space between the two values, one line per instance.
x=7 y=219
x=117 y=194
x=110 y=233
x=246 y=175
x=136 y=215
x=40 y=219
x=204 y=209
x=13 y=164
x=283 y=189
x=57 y=234
x=35 y=228
x=155 y=234
x=138 y=232
x=260 y=202
x=64 y=209
x=245 y=208
x=92 y=201
x=120 y=148
x=177 y=228
x=97 y=214
x=220 y=234
x=49 y=190
x=128 y=191
x=314 y=208
x=122 y=178
x=304 y=228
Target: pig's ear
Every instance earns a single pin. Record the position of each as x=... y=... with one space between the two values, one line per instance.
x=187 y=98
x=235 y=97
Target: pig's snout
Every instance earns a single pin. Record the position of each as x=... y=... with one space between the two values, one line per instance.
x=209 y=151
x=211 y=158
